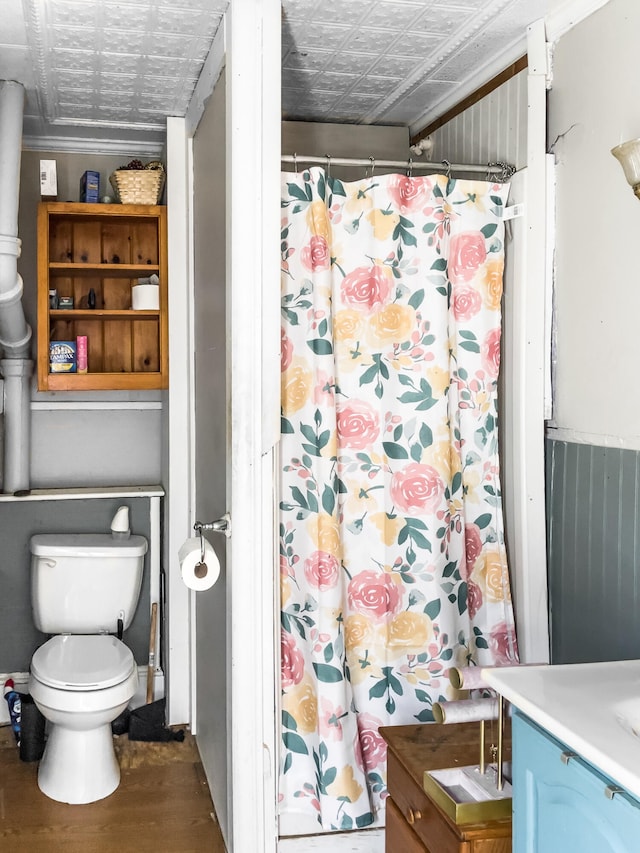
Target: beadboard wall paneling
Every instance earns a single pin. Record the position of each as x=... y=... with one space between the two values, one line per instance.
x=593 y=530
x=494 y=129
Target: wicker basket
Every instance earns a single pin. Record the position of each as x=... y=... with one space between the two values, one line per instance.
x=138 y=186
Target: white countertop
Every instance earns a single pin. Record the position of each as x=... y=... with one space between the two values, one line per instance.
x=593 y=708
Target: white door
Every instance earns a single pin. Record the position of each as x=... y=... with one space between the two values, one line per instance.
x=235 y=417
x=210 y=394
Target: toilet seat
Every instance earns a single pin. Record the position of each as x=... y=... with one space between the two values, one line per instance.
x=82 y=662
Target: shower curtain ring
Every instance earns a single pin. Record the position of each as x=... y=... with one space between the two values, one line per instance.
x=295 y=163
x=410 y=168
x=328 y=165
x=372 y=160
x=447 y=164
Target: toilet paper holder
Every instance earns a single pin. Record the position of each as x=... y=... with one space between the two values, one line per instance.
x=220 y=525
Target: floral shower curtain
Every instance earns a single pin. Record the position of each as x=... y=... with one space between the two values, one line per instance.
x=393 y=565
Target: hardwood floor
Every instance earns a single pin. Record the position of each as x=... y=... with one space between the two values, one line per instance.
x=163 y=805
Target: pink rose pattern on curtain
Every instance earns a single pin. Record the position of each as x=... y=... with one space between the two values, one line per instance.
x=392 y=557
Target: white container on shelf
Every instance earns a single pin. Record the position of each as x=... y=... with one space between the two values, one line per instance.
x=145 y=297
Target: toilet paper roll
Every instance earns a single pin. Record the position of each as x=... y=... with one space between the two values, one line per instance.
x=467 y=678
x=196 y=573
x=465 y=710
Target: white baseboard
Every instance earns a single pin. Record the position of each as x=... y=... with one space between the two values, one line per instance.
x=21 y=680
x=364 y=841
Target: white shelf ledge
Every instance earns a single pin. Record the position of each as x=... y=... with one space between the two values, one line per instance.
x=86 y=492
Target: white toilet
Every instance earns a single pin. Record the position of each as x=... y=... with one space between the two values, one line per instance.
x=84 y=589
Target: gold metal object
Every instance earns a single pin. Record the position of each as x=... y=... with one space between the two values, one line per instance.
x=475 y=793
x=413 y=816
x=458 y=792
x=500 y=782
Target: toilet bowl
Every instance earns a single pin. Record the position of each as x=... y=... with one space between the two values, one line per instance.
x=84 y=589
x=81 y=683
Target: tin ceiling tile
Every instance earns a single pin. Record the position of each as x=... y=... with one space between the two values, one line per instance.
x=74 y=60
x=399 y=65
x=131 y=62
x=392 y=16
x=78 y=14
x=370 y=85
x=351 y=63
x=312 y=60
x=371 y=40
x=312 y=34
x=417 y=44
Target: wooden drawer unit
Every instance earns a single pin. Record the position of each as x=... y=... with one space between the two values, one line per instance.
x=412 y=817
x=400 y=833
x=95 y=254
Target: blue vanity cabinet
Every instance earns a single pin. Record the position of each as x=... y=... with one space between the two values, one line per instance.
x=561 y=804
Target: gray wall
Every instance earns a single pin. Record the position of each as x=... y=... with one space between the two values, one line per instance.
x=593 y=106
x=317 y=139
x=19 y=520
x=71 y=446
x=592 y=449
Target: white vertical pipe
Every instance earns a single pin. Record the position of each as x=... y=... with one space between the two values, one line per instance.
x=15 y=334
x=17 y=422
x=11 y=109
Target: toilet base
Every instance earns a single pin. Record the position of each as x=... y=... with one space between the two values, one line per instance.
x=79 y=766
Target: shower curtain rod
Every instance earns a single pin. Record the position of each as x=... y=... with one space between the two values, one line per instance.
x=504 y=170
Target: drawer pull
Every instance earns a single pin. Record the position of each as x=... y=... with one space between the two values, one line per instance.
x=413 y=816
x=611 y=790
x=566 y=756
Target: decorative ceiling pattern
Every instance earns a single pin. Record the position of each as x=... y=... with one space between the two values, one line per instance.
x=391 y=61
x=115 y=69
x=109 y=68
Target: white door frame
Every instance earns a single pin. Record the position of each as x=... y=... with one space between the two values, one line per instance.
x=529 y=393
x=253 y=298
x=177 y=438
x=252 y=45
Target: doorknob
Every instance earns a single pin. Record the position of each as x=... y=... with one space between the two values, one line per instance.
x=220 y=525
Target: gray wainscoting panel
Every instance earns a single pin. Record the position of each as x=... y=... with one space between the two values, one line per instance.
x=593 y=529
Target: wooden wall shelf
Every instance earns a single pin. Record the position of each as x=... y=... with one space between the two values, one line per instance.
x=104 y=249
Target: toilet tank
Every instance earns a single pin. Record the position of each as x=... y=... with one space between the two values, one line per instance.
x=82 y=583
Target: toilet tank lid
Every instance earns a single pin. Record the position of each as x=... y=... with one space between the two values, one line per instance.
x=86 y=545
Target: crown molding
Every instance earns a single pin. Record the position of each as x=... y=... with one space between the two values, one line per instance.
x=78 y=145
